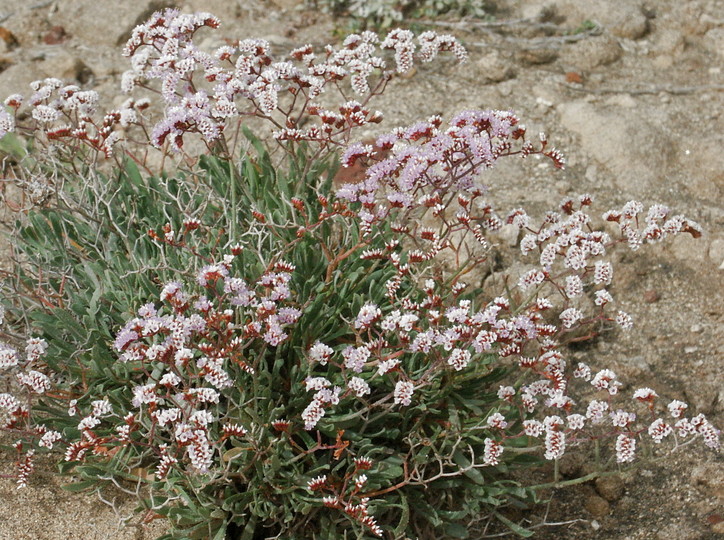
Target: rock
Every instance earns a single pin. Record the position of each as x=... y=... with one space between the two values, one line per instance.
x=537 y=56
x=627 y=101
x=651 y=296
x=610 y=488
x=592 y=52
x=95 y=23
x=534 y=9
x=709 y=478
x=223 y=9
x=669 y=41
x=707 y=22
x=55 y=36
x=638 y=364
x=573 y=77
x=663 y=62
x=714 y=41
x=716 y=251
x=509 y=234
x=16 y=79
x=702 y=397
x=493 y=68
x=597 y=506
x=627 y=20
x=689 y=250
x=632 y=25
x=571 y=464
x=107 y=64
x=625 y=142
x=704 y=168
x=543 y=103
x=61 y=63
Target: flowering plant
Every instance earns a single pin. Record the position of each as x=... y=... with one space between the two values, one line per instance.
x=265 y=353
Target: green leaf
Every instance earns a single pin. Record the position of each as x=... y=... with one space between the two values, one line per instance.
x=517 y=529
x=13 y=145
x=462 y=461
x=255 y=141
x=427 y=512
x=249 y=529
x=78 y=487
x=391 y=468
x=221 y=532
x=455 y=530
x=404 y=517
x=132 y=173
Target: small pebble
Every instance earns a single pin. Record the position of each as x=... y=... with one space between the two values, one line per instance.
x=651 y=296
x=570 y=464
x=610 y=488
x=55 y=36
x=597 y=506
x=574 y=77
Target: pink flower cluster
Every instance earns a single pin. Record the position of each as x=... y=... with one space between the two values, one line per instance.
x=196 y=342
x=600 y=420
x=243 y=78
x=426 y=189
x=14 y=414
x=428 y=161
x=68 y=115
x=204 y=92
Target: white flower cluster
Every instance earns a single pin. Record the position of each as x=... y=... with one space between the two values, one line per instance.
x=163 y=48
x=66 y=113
x=558 y=431
x=323 y=398
x=197 y=351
